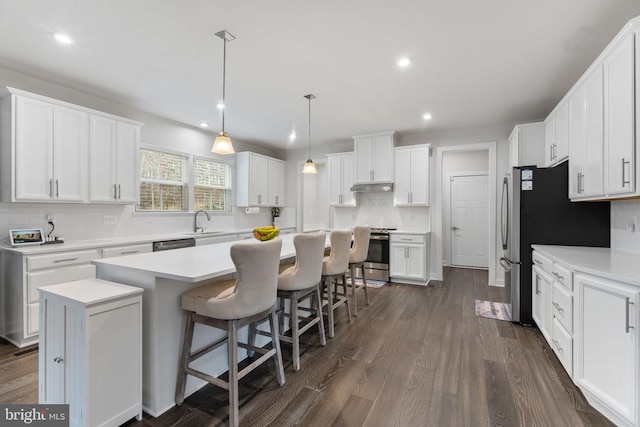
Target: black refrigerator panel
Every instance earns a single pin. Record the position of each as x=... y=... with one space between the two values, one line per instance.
x=548 y=217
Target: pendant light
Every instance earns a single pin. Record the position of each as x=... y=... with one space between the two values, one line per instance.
x=309 y=166
x=222 y=144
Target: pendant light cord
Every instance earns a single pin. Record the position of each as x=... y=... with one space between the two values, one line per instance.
x=224 y=78
x=309 y=127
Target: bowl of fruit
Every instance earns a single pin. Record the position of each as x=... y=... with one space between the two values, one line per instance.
x=266 y=233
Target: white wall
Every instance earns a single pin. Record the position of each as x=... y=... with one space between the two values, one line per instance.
x=83 y=221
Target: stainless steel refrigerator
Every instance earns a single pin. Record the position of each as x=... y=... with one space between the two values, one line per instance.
x=535 y=209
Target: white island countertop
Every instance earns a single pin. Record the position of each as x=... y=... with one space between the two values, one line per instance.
x=604 y=262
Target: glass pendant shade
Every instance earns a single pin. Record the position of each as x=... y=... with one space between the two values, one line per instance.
x=222 y=144
x=309 y=167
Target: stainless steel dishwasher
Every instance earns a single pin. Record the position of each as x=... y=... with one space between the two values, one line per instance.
x=166 y=245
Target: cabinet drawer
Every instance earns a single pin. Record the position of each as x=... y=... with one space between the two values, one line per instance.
x=562 y=344
x=543 y=262
x=127 y=250
x=563 y=276
x=59 y=275
x=407 y=238
x=32 y=319
x=61 y=259
x=562 y=303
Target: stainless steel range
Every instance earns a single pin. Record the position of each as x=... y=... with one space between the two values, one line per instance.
x=377 y=262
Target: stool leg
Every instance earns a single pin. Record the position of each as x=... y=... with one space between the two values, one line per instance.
x=295 y=337
x=364 y=280
x=318 y=298
x=354 y=295
x=281 y=314
x=346 y=296
x=184 y=360
x=275 y=339
x=251 y=337
x=232 y=347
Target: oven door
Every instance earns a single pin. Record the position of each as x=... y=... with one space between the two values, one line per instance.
x=377 y=263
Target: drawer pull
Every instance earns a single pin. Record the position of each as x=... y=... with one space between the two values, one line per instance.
x=58 y=359
x=557 y=344
x=558 y=276
x=66 y=260
x=129 y=252
x=537 y=262
x=627 y=325
x=557 y=306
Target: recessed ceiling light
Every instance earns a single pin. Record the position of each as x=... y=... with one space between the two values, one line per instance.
x=63 y=38
x=404 y=62
x=204 y=125
x=220 y=105
x=292 y=136
x=426 y=116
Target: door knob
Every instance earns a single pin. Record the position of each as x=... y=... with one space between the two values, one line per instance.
x=455 y=228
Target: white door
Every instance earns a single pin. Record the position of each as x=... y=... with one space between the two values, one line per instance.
x=469 y=221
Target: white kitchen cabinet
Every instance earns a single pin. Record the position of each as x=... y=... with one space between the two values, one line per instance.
x=586 y=137
x=259 y=180
x=91 y=351
x=619 y=118
x=340 y=178
x=113 y=251
x=541 y=301
x=607 y=346
x=557 y=135
x=374 y=158
x=527 y=145
x=113 y=165
x=408 y=258
x=48 y=143
x=411 y=181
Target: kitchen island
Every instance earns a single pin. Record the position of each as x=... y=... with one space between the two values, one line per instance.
x=165 y=276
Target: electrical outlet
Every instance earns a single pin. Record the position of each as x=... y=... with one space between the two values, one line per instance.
x=110 y=219
x=50 y=217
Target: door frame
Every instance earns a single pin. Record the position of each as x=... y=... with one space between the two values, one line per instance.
x=437 y=241
x=449 y=212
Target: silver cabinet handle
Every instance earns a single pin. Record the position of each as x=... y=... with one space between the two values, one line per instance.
x=625 y=162
x=50 y=188
x=57 y=189
x=557 y=306
x=627 y=325
x=115 y=191
x=66 y=260
x=580 y=182
x=557 y=344
x=58 y=359
x=558 y=276
x=119 y=192
x=537 y=262
x=551 y=153
x=537 y=285
x=129 y=252
x=277 y=200
x=259 y=198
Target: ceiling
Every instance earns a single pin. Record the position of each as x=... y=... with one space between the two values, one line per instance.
x=474 y=63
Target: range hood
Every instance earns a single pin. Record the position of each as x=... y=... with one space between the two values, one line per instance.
x=369 y=188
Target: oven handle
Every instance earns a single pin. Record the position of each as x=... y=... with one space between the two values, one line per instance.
x=379 y=237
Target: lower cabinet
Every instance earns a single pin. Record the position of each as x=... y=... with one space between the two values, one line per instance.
x=541 y=301
x=408 y=258
x=607 y=347
x=91 y=351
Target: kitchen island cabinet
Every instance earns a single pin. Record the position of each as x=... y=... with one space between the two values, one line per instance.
x=165 y=276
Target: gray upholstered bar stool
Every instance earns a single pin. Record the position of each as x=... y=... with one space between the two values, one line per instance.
x=230 y=305
x=298 y=283
x=335 y=267
x=357 y=257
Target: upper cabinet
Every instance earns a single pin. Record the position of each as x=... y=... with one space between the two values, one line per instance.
x=374 y=157
x=340 y=178
x=527 y=144
x=556 y=130
x=45 y=149
x=411 y=176
x=113 y=161
x=259 y=180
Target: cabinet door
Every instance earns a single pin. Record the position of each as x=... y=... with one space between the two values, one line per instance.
x=126 y=162
x=102 y=159
x=549 y=140
x=276 y=183
x=348 y=197
x=562 y=133
x=416 y=262
x=334 y=178
x=258 y=182
x=33 y=150
x=397 y=260
x=577 y=142
x=514 y=148
x=594 y=130
x=542 y=312
x=382 y=160
x=70 y=139
x=420 y=176
x=363 y=148
x=619 y=121
x=402 y=181
x=607 y=343
x=52 y=357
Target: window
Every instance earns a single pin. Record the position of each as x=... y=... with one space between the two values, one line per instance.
x=165 y=185
x=211 y=185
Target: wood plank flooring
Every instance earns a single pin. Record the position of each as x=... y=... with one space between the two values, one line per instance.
x=417 y=356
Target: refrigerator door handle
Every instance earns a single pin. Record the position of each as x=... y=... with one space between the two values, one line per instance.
x=504 y=228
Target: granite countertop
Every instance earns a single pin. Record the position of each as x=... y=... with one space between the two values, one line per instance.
x=604 y=262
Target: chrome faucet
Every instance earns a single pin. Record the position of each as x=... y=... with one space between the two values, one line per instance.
x=196 y=228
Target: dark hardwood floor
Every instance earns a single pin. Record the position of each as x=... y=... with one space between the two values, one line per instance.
x=417 y=356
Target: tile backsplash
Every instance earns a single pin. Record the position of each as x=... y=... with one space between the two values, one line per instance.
x=625 y=225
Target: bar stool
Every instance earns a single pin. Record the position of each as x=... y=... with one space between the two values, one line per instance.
x=230 y=305
x=297 y=283
x=357 y=258
x=335 y=266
